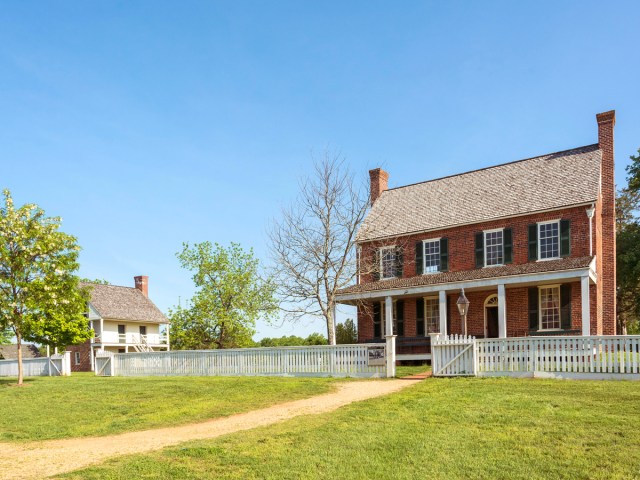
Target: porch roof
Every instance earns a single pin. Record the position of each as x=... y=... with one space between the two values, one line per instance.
x=444 y=278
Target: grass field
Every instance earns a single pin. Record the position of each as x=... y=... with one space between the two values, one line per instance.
x=85 y=405
x=441 y=428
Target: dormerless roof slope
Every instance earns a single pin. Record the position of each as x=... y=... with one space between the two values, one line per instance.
x=547 y=182
x=124 y=303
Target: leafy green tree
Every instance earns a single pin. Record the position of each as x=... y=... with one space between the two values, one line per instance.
x=293 y=341
x=628 y=251
x=633 y=172
x=40 y=297
x=346 y=332
x=231 y=295
x=97 y=281
x=316 y=339
x=5 y=337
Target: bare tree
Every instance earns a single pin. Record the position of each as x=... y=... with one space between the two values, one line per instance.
x=313 y=243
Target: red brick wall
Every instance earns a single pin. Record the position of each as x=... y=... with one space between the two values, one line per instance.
x=85 y=357
x=462 y=241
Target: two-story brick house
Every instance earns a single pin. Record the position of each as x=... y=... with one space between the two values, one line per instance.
x=531 y=242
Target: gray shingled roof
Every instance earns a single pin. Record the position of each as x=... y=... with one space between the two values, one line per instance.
x=547 y=182
x=124 y=303
x=10 y=352
x=571 y=263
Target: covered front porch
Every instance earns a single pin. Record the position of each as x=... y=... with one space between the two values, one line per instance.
x=541 y=304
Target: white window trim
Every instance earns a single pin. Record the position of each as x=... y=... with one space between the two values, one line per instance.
x=484 y=242
x=539 y=246
x=76 y=358
x=389 y=247
x=424 y=256
x=540 y=329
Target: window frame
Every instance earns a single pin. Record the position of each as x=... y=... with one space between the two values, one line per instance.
x=76 y=357
x=424 y=255
x=426 y=321
x=381 y=265
x=540 y=288
x=539 y=240
x=484 y=238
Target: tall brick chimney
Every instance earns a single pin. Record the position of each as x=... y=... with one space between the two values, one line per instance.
x=379 y=183
x=607 y=260
x=142 y=284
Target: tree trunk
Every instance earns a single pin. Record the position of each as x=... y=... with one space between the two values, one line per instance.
x=331 y=326
x=20 y=372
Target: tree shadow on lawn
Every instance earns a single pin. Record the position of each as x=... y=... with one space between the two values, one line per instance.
x=8 y=382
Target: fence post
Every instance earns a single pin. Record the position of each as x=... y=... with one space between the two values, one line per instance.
x=66 y=364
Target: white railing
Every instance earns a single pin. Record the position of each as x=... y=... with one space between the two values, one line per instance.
x=131 y=338
x=36 y=367
x=596 y=354
x=338 y=361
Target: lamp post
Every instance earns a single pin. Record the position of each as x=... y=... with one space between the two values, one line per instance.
x=463 y=308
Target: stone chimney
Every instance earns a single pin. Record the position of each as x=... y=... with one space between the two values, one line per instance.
x=607 y=260
x=379 y=183
x=142 y=284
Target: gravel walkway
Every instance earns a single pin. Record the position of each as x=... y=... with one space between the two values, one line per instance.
x=53 y=457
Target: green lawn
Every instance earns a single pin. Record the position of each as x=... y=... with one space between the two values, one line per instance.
x=84 y=405
x=441 y=429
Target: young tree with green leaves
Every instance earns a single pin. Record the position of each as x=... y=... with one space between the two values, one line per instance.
x=346 y=333
x=40 y=296
x=628 y=251
x=231 y=295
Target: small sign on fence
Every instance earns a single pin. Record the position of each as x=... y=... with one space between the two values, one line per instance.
x=375 y=356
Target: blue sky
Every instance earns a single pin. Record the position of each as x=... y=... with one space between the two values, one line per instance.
x=146 y=124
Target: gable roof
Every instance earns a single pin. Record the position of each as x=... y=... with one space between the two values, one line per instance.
x=548 y=182
x=124 y=303
x=10 y=352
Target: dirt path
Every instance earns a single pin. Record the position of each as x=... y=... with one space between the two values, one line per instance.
x=52 y=457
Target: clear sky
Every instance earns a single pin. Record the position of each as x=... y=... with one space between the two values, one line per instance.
x=145 y=124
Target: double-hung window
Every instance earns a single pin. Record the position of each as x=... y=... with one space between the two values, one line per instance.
x=432 y=315
x=549 y=240
x=387 y=262
x=550 y=308
x=431 y=256
x=427 y=315
x=493 y=247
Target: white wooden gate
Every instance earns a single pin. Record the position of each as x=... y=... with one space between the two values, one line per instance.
x=104 y=364
x=453 y=355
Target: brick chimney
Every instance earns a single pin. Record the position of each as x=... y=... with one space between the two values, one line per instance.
x=379 y=183
x=142 y=284
x=607 y=260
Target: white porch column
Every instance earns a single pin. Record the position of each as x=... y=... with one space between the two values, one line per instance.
x=502 y=311
x=442 y=303
x=91 y=352
x=586 y=310
x=391 y=338
x=166 y=332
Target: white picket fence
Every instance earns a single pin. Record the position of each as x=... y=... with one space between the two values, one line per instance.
x=562 y=357
x=318 y=361
x=54 y=365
